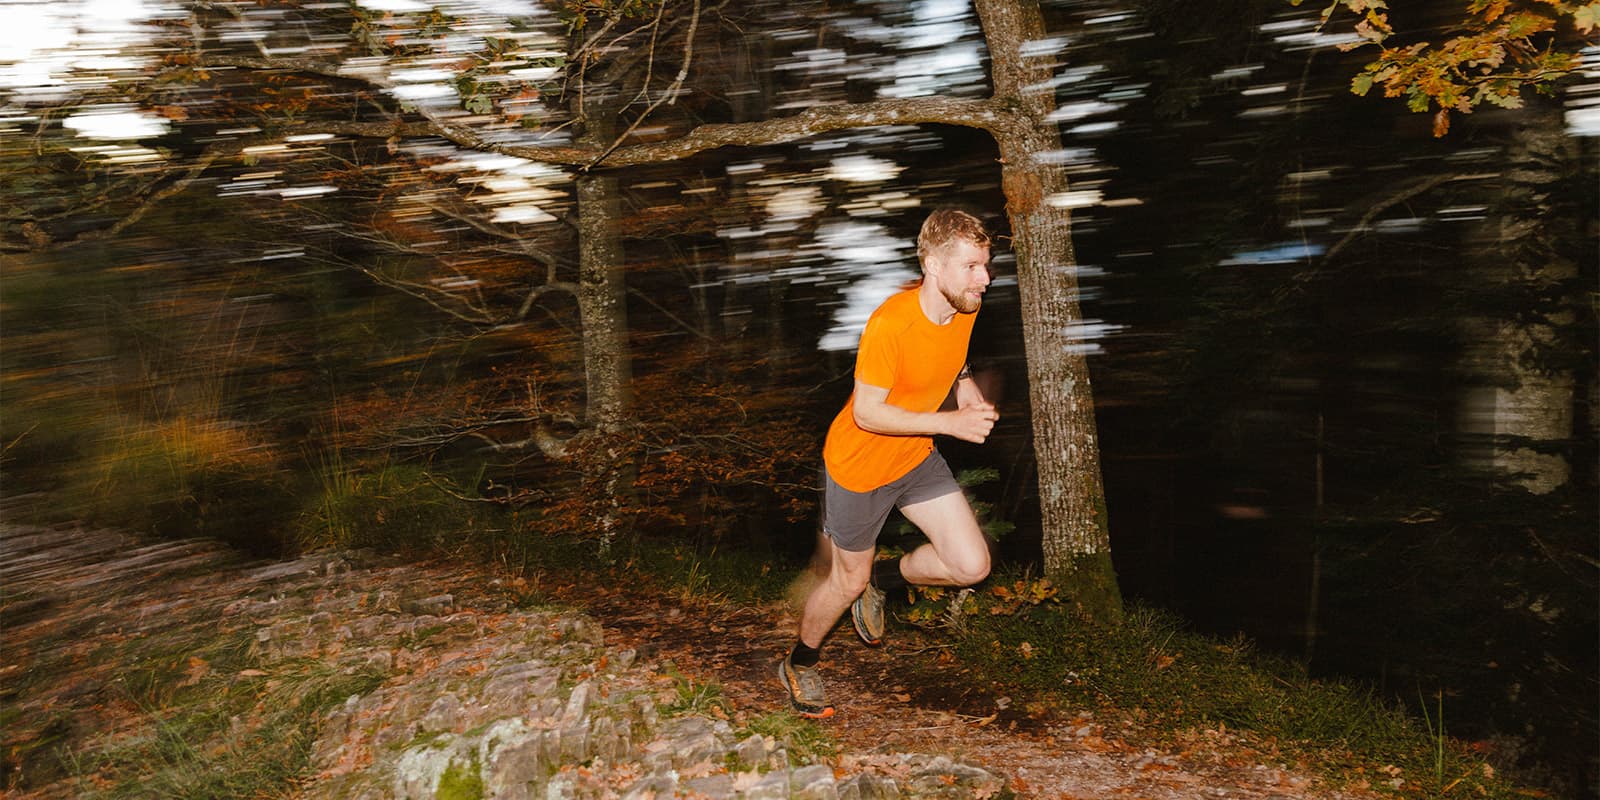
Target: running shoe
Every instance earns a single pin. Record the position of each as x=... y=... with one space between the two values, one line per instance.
x=867 y=615
x=805 y=690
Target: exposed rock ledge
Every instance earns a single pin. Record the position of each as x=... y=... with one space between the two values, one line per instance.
x=473 y=697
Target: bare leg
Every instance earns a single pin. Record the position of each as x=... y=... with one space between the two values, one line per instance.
x=847 y=576
x=957 y=554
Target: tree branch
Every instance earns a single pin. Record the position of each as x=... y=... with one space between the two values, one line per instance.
x=190 y=175
x=672 y=90
x=985 y=114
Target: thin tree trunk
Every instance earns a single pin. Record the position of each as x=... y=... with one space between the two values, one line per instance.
x=603 y=314
x=602 y=305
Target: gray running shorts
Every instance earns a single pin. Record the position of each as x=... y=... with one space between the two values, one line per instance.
x=854 y=519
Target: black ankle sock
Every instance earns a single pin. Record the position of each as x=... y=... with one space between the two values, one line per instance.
x=802 y=656
x=886 y=575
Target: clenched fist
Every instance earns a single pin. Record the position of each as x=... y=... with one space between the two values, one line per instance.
x=973 y=423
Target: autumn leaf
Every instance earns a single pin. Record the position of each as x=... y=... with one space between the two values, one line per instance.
x=1587 y=17
x=198 y=668
x=1441 y=122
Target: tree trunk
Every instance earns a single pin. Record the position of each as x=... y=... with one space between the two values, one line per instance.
x=1077 y=542
x=603 y=315
x=602 y=305
x=1524 y=406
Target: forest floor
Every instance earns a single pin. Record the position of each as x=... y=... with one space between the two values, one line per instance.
x=911 y=695
x=908 y=696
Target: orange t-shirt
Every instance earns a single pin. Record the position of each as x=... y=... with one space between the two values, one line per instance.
x=917 y=361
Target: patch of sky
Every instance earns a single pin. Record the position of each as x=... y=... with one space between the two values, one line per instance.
x=1078 y=198
x=947 y=70
x=1285 y=253
x=1068 y=155
x=46 y=46
x=938 y=23
x=1044 y=47
x=1316 y=39
x=1404 y=225
x=1109 y=19
x=863 y=169
x=1084 y=336
x=794 y=203
x=116 y=122
x=1068 y=112
x=878 y=262
x=394 y=6
x=1092 y=128
x=1583 y=99
x=1310 y=222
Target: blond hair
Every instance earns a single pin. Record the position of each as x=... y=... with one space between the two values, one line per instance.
x=946 y=225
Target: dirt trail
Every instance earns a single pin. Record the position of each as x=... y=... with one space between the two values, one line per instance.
x=68 y=586
x=903 y=697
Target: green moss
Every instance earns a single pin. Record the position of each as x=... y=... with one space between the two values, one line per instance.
x=461 y=782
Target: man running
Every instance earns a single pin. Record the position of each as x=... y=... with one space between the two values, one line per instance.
x=879 y=452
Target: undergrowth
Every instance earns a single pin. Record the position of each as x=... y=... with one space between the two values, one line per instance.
x=1173 y=682
x=214 y=721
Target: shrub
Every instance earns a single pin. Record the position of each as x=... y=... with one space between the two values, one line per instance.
x=394 y=507
x=186 y=477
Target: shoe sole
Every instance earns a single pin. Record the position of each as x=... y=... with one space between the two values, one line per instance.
x=808 y=712
x=861 y=630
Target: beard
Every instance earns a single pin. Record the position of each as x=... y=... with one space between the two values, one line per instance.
x=961 y=301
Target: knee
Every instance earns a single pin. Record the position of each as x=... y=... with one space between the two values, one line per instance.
x=970 y=569
x=849 y=579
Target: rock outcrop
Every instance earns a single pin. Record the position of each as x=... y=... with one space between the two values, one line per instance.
x=472 y=697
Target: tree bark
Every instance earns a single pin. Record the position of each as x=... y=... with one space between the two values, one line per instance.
x=602 y=305
x=603 y=317
x=1076 y=536
x=1524 y=406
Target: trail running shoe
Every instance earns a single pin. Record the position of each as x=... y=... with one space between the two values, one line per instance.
x=867 y=614
x=805 y=690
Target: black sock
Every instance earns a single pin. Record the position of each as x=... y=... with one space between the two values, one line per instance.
x=886 y=575
x=803 y=656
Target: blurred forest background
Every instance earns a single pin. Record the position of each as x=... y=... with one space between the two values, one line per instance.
x=445 y=276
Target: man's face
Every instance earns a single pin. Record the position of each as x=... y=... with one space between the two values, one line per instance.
x=961 y=271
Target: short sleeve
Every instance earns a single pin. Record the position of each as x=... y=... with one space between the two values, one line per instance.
x=878 y=357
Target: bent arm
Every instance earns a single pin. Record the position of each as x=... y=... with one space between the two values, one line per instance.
x=873 y=412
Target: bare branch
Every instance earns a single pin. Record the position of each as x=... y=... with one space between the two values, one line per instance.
x=542 y=289
x=691 y=328
x=1361 y=227
x=670 y=95
x=155 y=198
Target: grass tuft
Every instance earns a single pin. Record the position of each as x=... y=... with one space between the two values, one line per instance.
x=700 y=699
x=215 y=723
x=805 y=741
x=390 y=507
